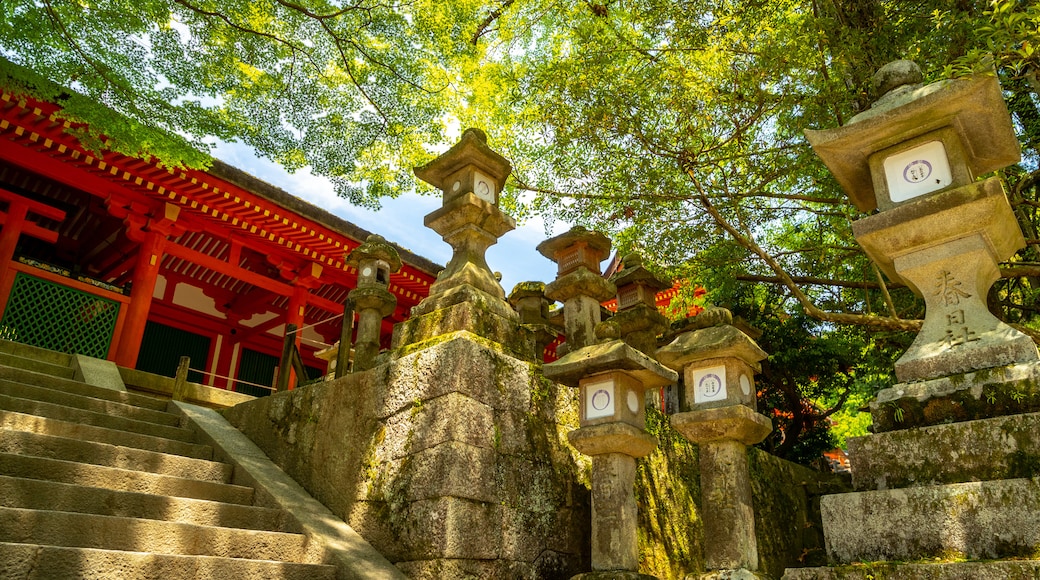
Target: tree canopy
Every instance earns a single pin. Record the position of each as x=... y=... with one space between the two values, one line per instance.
x=674 y=126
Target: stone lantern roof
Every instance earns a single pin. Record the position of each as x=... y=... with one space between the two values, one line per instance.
x=472 y=149
x=973 y=108
x=375 y=248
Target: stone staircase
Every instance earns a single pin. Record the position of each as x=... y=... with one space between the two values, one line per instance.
x=100 y=483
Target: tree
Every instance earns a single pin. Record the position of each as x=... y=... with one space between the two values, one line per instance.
x=355 y=91
x=675 y=126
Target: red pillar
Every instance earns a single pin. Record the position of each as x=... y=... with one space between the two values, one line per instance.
x=12 y=229
x=146 y=272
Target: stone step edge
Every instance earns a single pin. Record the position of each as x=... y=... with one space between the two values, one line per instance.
x=116 y=456
x=79 y=530
x=84 y=402
x=966 y=570
x=41 y=561
x=102 y=501
x=329 y=539
x=45 y=468
x=16 y=374
x=19 y=349
x=93 y=418
x=28 y=423
x=64 y=371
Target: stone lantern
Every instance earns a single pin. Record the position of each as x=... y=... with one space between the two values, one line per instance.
x=467 y=295
x=915 y=156
x=718 y=362
x=578 y=285
x=637 y=322
x=471 y=176
x=374 y=260
x=612 y=379
x=530 y=302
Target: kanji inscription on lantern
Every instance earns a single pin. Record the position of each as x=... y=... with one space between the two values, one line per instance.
x=948 y=289
x=709 y=384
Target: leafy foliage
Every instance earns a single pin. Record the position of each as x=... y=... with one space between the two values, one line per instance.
x=674 y=126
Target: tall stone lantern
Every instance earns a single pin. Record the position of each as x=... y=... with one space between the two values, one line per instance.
x=915 y=156
x=719 y=363
x=466 y=295
x=612 y=380
x=471 y=176
x=374 y=260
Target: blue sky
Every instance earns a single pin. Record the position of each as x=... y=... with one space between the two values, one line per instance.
x=401 y=220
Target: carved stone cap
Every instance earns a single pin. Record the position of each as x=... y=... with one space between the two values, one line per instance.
x=472 y=149
x=573 y=237
x=733 y=423
x=973 y=108
x=635 y=273
x=610 y=356
x=614 y=437
x=375 y=248
x=714 y=342
x=527 y=290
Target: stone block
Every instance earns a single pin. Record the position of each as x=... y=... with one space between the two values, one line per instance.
x=469 y=570
x=1006 y=570
x=986 y=449
x=986 y=393
x=456 y=365
x=450 y=417
x=981 y=520
x=463 y=309
x=449 y=469
x=451 y=528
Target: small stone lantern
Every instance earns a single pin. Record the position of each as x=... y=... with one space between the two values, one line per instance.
x=579 y=285
x=374 y=260
x=612 y=379
x=915 y=155
x=637 y=322
x=718 y=362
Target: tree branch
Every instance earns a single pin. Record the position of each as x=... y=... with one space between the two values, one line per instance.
x=811 y=309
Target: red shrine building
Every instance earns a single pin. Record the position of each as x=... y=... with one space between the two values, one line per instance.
x=124 y=259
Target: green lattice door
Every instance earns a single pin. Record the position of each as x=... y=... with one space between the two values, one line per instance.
x=56 y=317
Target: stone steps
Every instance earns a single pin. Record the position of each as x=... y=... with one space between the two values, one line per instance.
x=75 y=530
x=100 y=483
x=36 y=562
x=66 y=385
x=37 y=494
x=55 y=366
x=107 y=455
x=25 y=351
x=72 y=472
x=83 y=417
x=87 y=403
x=71 y=430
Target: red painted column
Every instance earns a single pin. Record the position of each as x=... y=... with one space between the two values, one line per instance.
x=12 y=229
x=146 y=272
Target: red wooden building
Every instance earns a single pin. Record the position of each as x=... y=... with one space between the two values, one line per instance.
x=125 y=259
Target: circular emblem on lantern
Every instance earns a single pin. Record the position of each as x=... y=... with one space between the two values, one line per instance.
x=917 y=171
x=600 y=399
x=710 y=385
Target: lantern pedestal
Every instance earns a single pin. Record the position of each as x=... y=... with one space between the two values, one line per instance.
x=946 y=249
